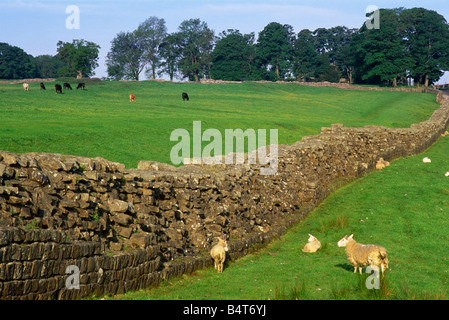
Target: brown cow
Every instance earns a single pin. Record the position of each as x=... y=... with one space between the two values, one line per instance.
x=132 y=98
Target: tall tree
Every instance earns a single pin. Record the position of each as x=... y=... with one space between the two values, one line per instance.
x=233 y=56
x=170 y=52
x=80 y=58
x=132 y=52
x=427 y=35
x=275 y=49
x=305 y=56
x=126 y=59
x=15 y=63
x=151 y=33
x=196 y=46
x=381 y=54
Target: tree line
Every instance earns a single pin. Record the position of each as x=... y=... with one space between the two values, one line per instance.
x=410 y=44
x=78 y=58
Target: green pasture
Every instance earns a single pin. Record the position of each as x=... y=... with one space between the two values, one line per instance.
x=101 y=121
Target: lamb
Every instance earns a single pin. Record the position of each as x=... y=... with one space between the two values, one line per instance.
x=26 y=87
x=313 y=245
x=381 y=163
x=218 y=253
x=360 y=255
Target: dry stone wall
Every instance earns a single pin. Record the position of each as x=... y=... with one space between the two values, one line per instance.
x=126 y=229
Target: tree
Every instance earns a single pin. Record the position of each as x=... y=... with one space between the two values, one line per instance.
x=126 y=59
x=305 y=60
x=170 y=52
x=196 y=45
x=427 y=36
x=48 y=66
x=233 y=56
x=132 y=52
x=80 y=58
x=275 y=49
x=381 y=54
x=327 y=71
x=151 y=33
x=15 y=63
x=339 y=50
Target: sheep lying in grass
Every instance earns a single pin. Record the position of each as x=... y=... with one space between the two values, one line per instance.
x=381 y=163
x=360 y=255
x=313 y=245
x=218 y=253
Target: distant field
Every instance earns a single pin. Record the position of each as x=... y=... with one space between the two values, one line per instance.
x=102 y=122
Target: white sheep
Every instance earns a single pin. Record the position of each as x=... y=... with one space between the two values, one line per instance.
x=26 y=87
x=218 y=253
x=381 y=163
x=313 y=245
x=426 y=160
x=360 y=255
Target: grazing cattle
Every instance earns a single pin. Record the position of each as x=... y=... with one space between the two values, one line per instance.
x=42 y=86
x=185 y=96
x=67 y=86
x=80 y=86
x=58 y=88
x=26 y=87
x=132 y=98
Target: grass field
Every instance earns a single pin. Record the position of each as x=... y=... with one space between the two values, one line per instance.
x=102 y=122
x=405 y=207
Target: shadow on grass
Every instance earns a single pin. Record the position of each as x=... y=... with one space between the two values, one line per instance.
x=345 y=266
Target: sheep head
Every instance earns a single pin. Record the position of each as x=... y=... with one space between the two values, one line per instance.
x=344 y=241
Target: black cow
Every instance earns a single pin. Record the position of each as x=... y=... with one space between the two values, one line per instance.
x=67 y=86
x=42 y=86
x=58 y=88
x=81 y=86
x=185 y=96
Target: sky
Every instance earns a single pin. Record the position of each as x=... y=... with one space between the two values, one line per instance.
x=37 y=25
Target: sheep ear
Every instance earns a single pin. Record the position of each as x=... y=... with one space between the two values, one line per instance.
x=350 y=237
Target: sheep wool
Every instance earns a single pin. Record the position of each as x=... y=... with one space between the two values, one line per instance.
x=360 y=255
x=313 y=245
x=218 y=253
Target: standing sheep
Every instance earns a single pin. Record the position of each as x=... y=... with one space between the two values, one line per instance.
x=218 y=253
x=26 y=87
x=360 y=255
x=313 y=245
